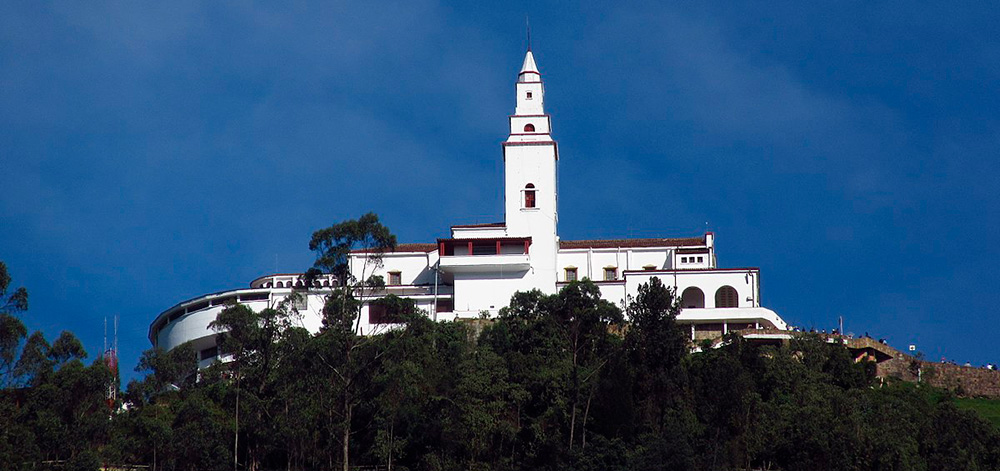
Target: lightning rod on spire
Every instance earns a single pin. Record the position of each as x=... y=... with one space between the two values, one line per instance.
x=527 y=24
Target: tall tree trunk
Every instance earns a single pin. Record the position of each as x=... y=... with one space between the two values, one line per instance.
x=236 y=431
x=329 y=454
x=345 y=433
x=291 y=444
x=586 y=413
x=389 y=460
x=572 y=423
x=576 y=396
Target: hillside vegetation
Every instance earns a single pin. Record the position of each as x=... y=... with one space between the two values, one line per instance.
x=556 y=382
x=988 y=409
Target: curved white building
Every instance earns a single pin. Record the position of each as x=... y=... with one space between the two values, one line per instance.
x=189 y=320
x=480 y=266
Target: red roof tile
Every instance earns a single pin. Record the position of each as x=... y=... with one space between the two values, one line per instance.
x=486 y=239
x=630 y=243
x=696 y=251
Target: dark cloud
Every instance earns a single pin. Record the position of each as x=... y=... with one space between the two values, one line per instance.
x=152 y=153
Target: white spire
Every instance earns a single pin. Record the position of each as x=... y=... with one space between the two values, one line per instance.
x=529 y=71
x=531 y=123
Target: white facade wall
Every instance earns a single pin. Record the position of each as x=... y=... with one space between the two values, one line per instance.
x=613 y=292
x=477 y=292
x=535 y=165
x=576 y=259
x=460 y=232
x=659 y=259
x=590 y=263
x=424 y=302
x=708 y=281
x=692 y=261
x=414 y=267
x=542 y=124
x=194 y=326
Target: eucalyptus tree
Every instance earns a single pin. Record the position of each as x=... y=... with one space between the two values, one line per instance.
x=253 y=341
x=146 y=431
x=555 y=349
x=343 y=351
x=655 y=346
x=12 y=330
x=585 y=320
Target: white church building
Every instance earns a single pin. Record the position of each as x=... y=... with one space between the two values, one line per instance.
x=478 y=267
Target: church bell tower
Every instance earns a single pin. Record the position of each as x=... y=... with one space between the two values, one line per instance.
x=530 y=157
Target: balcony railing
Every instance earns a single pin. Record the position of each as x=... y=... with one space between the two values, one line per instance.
x=484 y=263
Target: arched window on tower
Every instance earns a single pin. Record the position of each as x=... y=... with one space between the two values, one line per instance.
x=726 y=296
x=693 y=298
x=529 y=195
x=529 y=127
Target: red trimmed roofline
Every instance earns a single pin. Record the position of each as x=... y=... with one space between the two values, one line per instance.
x=485 y=224
x=695 y=270
x=406 y=248
x=631 y=243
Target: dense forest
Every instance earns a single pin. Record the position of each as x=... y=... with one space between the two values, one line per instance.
x=561 y=381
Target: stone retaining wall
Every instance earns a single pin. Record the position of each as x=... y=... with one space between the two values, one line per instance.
x=968 y=381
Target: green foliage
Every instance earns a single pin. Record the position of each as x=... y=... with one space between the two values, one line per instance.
x=988 y=409
x=334 y=245
x=12 y=330
x=556 y=382
x=53 y=407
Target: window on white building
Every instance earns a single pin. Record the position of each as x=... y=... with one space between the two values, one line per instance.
x=684 y=259
x=377 y=314
x=445 y=305
x=528 y=96
x=726 y=296
x=395 y=278
x=207 y=353
x=529 y=195
x=610 y=273
x=700 y=259
x=300 y=302
x=571 y=274
x=529 y=127
x=693 y=297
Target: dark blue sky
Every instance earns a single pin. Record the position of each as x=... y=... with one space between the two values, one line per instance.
x=153 y=153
